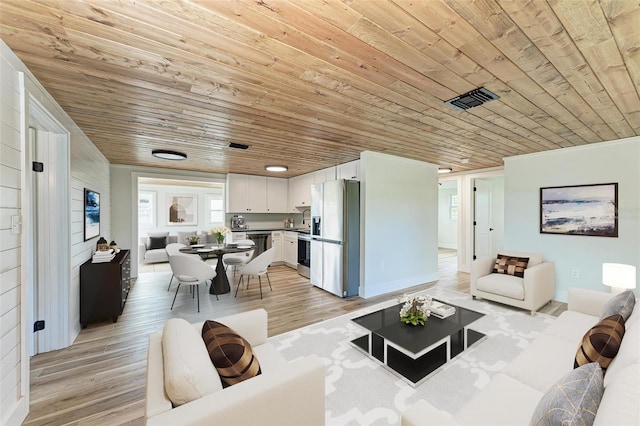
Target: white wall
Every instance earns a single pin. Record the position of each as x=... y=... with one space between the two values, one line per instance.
x=607 y=162
x=162 y=193
x=399 y=237
x=124 y=183
x=14 y=399
x=447 y=226
x=88 y=168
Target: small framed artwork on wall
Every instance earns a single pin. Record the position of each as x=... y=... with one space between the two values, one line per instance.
x=590 y=210
x=91 y=214
x=182 y=209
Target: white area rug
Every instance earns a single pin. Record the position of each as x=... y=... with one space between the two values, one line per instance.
x=360 y=391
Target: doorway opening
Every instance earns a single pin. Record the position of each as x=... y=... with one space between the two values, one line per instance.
x=448 y=218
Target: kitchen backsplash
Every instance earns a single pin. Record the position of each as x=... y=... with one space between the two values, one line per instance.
x=267 y=220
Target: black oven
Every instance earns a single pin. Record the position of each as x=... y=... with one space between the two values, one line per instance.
x=304 y=255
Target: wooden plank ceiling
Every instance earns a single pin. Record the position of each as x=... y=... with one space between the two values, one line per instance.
x=312 y=83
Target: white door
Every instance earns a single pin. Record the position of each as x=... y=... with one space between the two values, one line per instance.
x=50 y=285
x=483 y=243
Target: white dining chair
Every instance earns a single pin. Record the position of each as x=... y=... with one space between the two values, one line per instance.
x=257 y=267
x=236 y=260
x=191 y=271
x=173 y=249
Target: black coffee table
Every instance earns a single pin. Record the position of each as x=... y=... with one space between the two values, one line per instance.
x=414 y=352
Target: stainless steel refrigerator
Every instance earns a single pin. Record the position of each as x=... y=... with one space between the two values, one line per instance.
x=335 y=237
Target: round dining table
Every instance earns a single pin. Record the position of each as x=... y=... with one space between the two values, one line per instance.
x=220 y=284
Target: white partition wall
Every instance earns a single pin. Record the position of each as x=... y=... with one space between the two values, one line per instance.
x=399 y=223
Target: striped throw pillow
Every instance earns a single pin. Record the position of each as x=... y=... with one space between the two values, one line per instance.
x=510 y=265
x=230 y=353
x=601 y=343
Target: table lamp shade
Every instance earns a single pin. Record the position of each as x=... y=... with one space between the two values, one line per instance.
x=618 y=276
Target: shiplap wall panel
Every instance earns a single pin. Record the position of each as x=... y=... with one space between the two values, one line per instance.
x=87 y=168
x=11 y=356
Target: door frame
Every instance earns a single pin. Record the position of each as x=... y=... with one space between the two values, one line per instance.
x=466 y=214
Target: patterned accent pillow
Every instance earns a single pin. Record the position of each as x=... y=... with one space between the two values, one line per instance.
x=601 y=343
x=621 y=304
x=230 y=353
x=573 y=400
x=510 y=265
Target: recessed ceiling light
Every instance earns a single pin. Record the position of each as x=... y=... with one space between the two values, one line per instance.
x=465 y=161
x=168 y=155
x=445 y=170
x=276 y=168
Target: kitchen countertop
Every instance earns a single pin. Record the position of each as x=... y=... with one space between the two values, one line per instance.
x=301 y=230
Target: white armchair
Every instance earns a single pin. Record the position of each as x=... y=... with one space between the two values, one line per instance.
x=285 y=393
x=531 y=292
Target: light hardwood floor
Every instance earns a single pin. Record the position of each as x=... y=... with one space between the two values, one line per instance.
x=100 y=378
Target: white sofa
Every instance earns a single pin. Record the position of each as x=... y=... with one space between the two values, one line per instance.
x=286 y=393
x=155 y=255
x=513 y=394
x=531 y=292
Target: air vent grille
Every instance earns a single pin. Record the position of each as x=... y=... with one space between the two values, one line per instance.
x=472 y=99
x=238 y=145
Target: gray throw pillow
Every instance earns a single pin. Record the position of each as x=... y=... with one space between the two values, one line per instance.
x=620 y=304
x=573 y=400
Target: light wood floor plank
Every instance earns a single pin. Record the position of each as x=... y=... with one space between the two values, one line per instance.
x=100 y=378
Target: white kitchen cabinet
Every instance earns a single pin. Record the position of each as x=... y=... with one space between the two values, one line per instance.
x=277 y=195
x=246 y=194
x=290 y=249
x=350 y=170
x=324 y=175
x=276 y=243
x=300 y=192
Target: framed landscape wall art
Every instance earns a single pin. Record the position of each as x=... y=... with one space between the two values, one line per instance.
x=91 y=214
x=590 y=210
x=182 y=209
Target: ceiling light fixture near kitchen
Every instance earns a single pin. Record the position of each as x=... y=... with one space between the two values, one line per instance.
x=276 y=168
x=445 y=170
x=169 y=155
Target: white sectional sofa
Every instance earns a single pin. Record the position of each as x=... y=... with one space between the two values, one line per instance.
x=285 y=393
x=513 y=394
x=156 y=255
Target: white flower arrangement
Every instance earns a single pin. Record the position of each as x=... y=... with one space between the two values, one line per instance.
x=415 y=309
x=219 y=232
x=192 y=239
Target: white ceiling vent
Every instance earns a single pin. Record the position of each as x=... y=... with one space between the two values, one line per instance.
x=472 y=99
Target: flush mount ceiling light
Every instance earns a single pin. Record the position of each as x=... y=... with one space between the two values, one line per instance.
x=444 y=170
x=472 y=99
x=165 y=154
x=276 y=168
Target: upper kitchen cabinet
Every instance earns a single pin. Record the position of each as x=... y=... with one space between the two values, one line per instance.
x=246 y=194
x=277 y=195
x=350 y=170
x=324 y=175
x=300 y=192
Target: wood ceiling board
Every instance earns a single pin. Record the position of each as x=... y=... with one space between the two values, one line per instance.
x=322 y=81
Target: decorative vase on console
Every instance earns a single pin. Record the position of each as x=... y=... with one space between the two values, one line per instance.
x=219 y=232
x=415 y=309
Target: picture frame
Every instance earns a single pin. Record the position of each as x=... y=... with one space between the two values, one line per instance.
x=587 y=210
x=91 y=214
x=182 y=209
